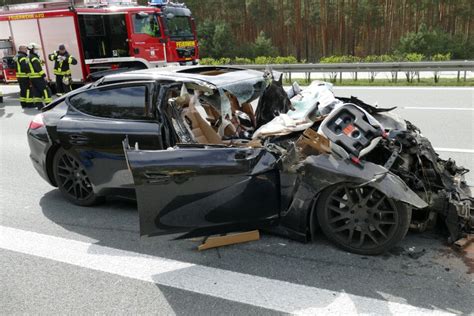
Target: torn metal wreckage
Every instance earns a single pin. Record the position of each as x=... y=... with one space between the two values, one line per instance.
x=214 y=150
x=305 y=160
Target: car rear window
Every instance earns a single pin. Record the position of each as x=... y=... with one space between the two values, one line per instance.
x=129 y=102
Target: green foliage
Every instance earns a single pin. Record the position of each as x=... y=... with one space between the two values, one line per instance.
x=207 y=61
x=260 y=60
x=264 y=60
x=372 y=59
x=386 y=58
x=263 y=46
x=215 y=39
x=414 y=57
x=330 y=60
x=285 y=60
x=310 y=29
x=437 y=41
x=242 y=61
x=340 y=59
x=224 y=61
x=462 y=48
x=441 y=57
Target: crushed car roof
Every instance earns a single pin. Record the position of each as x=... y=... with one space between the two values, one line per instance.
x=215 y=75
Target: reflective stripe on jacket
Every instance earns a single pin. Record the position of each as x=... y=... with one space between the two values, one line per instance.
x=62 y=62
x=36 y=69
x=22 y=65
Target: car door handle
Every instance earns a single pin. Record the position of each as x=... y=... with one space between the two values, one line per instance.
x=176 y=176
x=156 y=177
x=78 y=139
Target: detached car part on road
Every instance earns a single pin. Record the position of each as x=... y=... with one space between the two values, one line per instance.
x=203 y=162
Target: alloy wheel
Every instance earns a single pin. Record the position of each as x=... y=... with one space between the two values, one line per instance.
x=360 y=217
x=73 y=177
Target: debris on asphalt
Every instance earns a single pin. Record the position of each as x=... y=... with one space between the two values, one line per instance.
x=230 y=239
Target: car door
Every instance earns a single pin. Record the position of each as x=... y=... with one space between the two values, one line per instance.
x=97 y=121
x=204 y=190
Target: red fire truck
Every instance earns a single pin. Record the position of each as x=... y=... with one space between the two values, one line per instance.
x=104 y=36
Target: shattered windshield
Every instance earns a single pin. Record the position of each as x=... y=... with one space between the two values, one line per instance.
x=245 y=91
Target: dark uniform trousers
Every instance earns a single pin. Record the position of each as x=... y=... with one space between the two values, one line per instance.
x=22 y=74
x=60 y=86
x=40 y=90
x=25 y=92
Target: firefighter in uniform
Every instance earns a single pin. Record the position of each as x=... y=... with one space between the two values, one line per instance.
x=41 y=91
x=62 y=61
x=22 y=71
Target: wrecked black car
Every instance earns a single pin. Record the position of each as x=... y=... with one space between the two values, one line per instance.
x=303 y=160
x=228 y=149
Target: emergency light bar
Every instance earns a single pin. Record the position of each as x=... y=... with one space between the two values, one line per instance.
x=162 y=3
x=108 y=2
x=33 y=6
x=158 y=3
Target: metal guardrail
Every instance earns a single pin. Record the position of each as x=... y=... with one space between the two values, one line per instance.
x=467 y=65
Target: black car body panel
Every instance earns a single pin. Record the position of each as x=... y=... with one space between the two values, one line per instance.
x=157 y=132
x=97 y=141
x=42 y=141
x=40 y=145
x=316 y=173
x=202 y=190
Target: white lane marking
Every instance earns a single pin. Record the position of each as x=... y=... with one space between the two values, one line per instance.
x=434 y=108
x=238 y=287
x=455 y=150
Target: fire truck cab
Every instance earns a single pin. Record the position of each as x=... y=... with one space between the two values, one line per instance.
x=104 y=36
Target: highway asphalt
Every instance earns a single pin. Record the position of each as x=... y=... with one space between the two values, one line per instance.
x=57 y=258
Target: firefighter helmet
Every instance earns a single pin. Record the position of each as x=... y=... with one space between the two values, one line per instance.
x=33 y=46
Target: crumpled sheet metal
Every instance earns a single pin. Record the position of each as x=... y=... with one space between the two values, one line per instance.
x=334 y=170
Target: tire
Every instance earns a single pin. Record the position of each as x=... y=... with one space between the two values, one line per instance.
x=362 y=220
x=72 y=180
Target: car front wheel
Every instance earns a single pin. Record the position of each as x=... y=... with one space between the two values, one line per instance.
x=72 y=179
x=362 y=220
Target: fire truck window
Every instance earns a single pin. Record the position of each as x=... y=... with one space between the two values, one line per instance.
x=146 y=25
x=119 y=103
x=103 y=36
x=94 y=25
x=179 y=26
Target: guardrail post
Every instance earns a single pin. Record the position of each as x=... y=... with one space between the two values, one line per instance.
x=459 y=75
x=340 y=77
x=465 y=75
x=394 y=76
